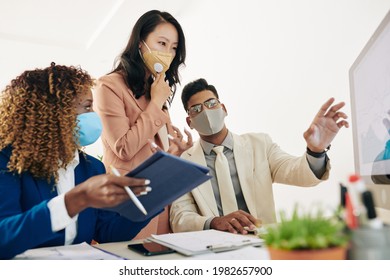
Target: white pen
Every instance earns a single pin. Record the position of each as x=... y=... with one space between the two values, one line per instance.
x=228 y=246
x=130 y=193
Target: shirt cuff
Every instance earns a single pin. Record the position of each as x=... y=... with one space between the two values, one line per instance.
x=207 y=223
x=59 y=216
x=317 y=165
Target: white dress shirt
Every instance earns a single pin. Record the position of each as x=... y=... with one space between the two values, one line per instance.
x=58 y=213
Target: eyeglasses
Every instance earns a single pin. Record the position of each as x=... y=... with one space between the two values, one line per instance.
x=211 y=103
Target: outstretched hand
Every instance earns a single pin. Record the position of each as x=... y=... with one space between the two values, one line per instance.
x=325 y=126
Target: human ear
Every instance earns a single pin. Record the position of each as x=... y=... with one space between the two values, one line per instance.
x=224 y=108
x=188 y=120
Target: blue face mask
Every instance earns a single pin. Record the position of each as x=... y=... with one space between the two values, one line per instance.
x=90 y=128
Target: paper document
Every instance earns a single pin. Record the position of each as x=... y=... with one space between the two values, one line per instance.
x=205 y=241
x=170 y=177
x=243 y=253
x=82 y=251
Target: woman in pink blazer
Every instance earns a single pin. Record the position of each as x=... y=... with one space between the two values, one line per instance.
x=132 y=101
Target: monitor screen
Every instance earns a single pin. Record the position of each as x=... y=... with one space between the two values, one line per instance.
x=369 y=78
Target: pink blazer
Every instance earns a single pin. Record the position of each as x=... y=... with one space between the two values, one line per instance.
x=128 y=123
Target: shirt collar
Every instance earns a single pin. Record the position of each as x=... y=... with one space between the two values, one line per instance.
x=76 y=159
x=227 y=142
x=74 y=162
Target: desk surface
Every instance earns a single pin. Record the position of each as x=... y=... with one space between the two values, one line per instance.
x=247 y=253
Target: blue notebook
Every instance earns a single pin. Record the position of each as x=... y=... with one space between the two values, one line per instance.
x=170 y=178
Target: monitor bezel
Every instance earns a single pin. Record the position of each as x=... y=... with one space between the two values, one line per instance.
x=381 y=192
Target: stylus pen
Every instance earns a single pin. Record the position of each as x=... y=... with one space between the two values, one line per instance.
x=130 y=193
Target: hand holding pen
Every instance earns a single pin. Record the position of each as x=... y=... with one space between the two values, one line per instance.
x=102 y=191
x=131 y=194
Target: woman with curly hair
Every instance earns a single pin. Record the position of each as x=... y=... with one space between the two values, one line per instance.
x=133 y=99
x=51 y=191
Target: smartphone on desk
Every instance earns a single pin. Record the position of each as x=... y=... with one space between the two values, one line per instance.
x=150 y=248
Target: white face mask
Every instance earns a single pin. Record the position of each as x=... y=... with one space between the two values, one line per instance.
x=156 y=61
x=209 y=122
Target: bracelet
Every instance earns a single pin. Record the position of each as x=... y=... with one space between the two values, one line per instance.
x=317 y=155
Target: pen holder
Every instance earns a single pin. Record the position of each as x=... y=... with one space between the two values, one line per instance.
x=370 y=244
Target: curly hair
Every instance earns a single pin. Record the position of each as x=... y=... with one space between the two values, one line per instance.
x=39 y=120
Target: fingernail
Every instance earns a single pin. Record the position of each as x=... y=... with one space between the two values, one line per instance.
x=143 y=193
x=170 y=137
x=154 y=145
x=148 y=189
x=147 y=182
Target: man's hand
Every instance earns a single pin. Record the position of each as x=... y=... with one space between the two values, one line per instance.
x=234 y=222
x=325 y=126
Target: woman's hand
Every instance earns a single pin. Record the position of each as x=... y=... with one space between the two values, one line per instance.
x=177 y=144
x=101 y=191
x=160 y=91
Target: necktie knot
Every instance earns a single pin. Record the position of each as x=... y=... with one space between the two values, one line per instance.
x=218 y=149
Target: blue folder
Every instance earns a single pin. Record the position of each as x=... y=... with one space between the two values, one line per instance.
x=170 y=178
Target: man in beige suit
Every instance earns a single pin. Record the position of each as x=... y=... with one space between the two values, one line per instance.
x=254 y=163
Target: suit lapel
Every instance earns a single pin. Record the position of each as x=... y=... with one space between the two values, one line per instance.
x=205 y=191
x=45 y=190
x=243 y=155
x=141 y=102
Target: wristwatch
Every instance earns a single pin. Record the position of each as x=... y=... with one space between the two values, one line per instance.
x=317 y=155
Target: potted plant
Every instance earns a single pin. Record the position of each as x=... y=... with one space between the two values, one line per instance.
x=307 y=236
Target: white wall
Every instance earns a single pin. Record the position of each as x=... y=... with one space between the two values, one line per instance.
x=273 y=62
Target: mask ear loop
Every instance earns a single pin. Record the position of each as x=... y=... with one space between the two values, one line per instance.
x=139 y=51
x=141 y=55
x=146 y=46
x=158 y=67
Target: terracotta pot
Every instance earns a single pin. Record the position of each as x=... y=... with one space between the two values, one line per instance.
x=335 y=253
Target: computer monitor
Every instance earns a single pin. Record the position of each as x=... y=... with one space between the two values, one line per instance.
x=369 y=78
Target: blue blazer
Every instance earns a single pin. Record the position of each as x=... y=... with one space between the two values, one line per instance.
x=25 y=218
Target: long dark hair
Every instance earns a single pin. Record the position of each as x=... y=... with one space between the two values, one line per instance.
x=130 y=64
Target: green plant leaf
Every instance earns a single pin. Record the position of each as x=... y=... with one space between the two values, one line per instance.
x=306 y=231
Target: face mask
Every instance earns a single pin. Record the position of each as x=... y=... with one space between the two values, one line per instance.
x=156 y=61
x=90 y=128
x=209 y=122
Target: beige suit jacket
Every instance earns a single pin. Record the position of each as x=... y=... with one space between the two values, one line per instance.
x=259 y=162
x=128 y=123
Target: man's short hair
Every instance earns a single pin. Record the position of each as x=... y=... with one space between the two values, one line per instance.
x=193 y=88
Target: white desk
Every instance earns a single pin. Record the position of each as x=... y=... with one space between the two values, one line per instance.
x=245 y=253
